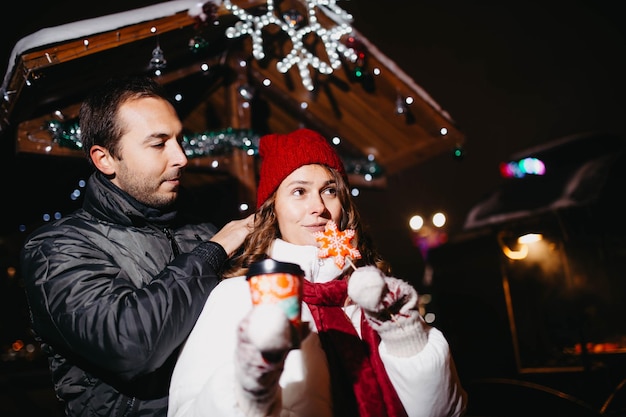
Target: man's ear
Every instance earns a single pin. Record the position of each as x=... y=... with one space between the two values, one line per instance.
x=102 y=159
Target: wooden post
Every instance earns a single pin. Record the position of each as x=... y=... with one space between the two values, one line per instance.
x=243 y=166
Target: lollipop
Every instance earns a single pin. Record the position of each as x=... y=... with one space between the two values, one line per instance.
x=337 y=244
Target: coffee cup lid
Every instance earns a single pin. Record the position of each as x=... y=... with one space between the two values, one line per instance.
x=272 y=266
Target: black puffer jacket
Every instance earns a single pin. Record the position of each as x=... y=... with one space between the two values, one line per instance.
x=114 y=289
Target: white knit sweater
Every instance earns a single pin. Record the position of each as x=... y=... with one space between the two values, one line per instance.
x=203 y=380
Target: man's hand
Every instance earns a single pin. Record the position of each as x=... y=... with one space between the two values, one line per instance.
x=231 y=236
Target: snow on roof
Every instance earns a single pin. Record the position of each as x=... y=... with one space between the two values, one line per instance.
x=87 y=27
x=75 y=30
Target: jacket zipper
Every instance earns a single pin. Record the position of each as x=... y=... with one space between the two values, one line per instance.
x=173 y=243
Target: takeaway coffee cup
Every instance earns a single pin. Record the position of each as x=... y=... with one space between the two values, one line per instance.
x=280 y=283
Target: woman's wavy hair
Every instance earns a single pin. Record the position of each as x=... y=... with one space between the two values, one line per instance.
x=257 y=244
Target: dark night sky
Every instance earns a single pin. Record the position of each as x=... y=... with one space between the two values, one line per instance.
x=511 y=74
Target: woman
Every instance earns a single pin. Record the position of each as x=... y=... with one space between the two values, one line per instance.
x=373 y=356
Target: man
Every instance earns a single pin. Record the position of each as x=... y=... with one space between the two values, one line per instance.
x=115 y=287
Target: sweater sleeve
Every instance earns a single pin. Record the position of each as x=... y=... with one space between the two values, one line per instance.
x=203 y=381
x=427 y=383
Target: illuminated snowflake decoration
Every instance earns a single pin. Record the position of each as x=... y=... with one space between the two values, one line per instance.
x=336 y=244
x=299 y=55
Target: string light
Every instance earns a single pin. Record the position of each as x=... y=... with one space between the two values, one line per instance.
x=523 y=167
x=458 y=153
x=293 y=26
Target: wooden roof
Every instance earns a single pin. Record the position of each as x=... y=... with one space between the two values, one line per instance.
x=48 y=82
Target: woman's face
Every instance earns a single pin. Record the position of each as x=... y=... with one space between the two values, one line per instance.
x=305 y=201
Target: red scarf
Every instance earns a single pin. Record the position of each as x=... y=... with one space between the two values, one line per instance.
x=360 y=385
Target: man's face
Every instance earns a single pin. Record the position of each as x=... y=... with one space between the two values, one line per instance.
x=151 y=159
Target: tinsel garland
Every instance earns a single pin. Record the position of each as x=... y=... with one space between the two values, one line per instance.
x=214 y=143
x=65 y=134
x=220 y=142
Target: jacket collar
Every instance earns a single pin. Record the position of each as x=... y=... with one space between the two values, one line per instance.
x=108 y=202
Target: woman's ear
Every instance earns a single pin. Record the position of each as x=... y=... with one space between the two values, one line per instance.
x=101 y=159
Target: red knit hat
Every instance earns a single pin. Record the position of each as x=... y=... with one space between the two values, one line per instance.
x=282 y=154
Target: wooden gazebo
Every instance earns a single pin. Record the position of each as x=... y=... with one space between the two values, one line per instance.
x=341 y=85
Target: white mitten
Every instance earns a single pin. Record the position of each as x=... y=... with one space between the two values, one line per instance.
x=264 y=338
x=390 y=307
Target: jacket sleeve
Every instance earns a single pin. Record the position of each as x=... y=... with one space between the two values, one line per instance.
x=83 y=303
x=427 y=383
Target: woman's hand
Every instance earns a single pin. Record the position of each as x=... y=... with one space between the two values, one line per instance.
x=264 y=338
x=390 y=307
